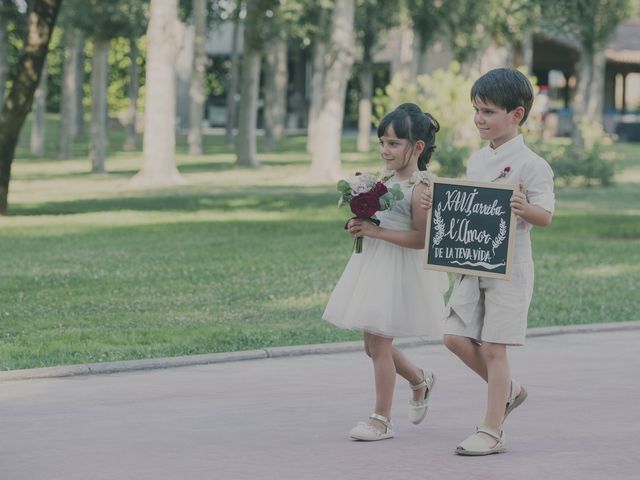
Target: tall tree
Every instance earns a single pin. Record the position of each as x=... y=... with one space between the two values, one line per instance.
x=73 y=45
x=42 y=18
x=320 y=36
x=196 y=91
x=103 y=21
x=373 y=18
x=133 y=90
x=258 y=14
x=234 y=75
x=99 y=109
x=137 y=29
x=165 y=37
x=591 y=23
x=285 y=25
x=512 y=24
x=13 y=25
x=80 y=129
x=427 y=17
x=4 y=50
x=275 y=89
x=325 y=158
x=466 y=32
x=38 y=123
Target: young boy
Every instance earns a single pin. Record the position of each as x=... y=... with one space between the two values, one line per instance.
x=484 y=315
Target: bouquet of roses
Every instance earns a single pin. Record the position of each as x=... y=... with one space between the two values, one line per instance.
x=367 y=194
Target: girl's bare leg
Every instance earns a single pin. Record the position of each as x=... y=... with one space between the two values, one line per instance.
x=407 y=370
x=380 y=350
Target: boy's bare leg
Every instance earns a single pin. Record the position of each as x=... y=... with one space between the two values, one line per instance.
x=407 y=370
x=469 y=352
x=380 y=350
x=499 y=381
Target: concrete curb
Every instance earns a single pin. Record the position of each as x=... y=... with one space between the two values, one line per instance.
x=276 y=352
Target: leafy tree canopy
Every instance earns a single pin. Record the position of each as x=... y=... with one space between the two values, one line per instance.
x=373 y=17
x=107 y=19
x=590 y=22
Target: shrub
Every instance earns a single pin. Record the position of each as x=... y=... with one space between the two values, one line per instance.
x=445 y=95
x=571 y=164
x=451 y=160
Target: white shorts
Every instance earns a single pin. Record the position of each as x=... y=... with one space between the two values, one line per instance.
x=490 y=309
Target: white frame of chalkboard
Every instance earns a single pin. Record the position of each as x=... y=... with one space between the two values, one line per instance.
x=511 y=234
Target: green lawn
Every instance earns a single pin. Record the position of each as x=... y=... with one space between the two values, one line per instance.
x=242 y=259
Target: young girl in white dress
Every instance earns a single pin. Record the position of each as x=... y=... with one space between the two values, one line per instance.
x=384 y=291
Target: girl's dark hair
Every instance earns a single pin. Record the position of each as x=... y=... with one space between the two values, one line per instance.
x=411 y=123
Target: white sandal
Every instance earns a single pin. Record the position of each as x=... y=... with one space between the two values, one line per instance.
x=473 y=445
x=514 y=401
x=418 y=408
x=368 y=433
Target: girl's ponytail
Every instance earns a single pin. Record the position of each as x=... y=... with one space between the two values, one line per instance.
x=429 y=139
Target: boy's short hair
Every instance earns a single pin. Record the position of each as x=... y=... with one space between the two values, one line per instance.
x=506 y=88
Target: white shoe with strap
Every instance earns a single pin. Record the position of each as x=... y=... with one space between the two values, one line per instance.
x=366 y=432
x=514 y=401
x=475 y=445
x=418 y=408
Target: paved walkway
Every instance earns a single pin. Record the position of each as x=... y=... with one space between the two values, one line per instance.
x=288 y=418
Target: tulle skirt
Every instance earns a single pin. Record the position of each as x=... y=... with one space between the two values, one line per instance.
x=385 y=290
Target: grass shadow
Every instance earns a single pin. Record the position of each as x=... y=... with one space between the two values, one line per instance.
x=259 y=199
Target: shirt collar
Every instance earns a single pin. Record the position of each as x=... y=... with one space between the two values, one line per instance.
x=507 y=148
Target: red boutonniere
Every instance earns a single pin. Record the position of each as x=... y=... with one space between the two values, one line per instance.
x=502 y=174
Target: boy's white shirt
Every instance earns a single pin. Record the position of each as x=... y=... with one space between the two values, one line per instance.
x=526 y=167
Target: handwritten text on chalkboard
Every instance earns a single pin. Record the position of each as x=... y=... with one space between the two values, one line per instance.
x=469 y=228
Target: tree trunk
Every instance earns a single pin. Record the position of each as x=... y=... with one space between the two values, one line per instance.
x=79 y=128
x=130 y=142
x=596 y=89
x=297 y=105
x=275 y=91
x=234 y=75
x=581 y=100
x=68 y=101
x=325 y=161
x=407 y=54
x=184 y=76
x=317 y=79
x=98 y=147
x=38 y=124
x=164 y=35
x=42 y=18
x=527 y=51
x=250 y=85
x=365 y=113
x=420 y=53
x=4 y=58
x=246 y=141
x=198 y=76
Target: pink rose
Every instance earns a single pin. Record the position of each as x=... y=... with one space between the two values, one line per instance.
x=365 y=204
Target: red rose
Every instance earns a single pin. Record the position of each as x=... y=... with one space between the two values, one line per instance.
x=379 y=189
x=365 y=204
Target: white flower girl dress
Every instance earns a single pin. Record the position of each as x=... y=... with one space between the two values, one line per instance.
x=385 y=290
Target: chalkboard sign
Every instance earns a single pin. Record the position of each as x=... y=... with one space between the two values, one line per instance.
x=470 y=228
